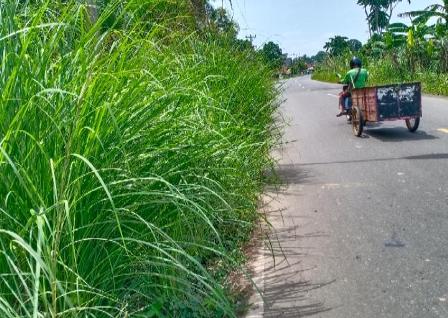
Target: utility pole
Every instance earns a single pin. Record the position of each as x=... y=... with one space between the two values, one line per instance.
x=251 y=38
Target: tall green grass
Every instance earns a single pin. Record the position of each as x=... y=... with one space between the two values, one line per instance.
x=130 y=164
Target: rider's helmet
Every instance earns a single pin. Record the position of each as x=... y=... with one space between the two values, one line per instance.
x=355 y=62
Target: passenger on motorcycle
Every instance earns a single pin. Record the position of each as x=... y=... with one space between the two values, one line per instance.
x=355 y=78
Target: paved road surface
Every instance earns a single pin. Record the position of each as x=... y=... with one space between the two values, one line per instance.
x=363 y=222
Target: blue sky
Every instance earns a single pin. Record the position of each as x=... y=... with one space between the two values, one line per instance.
x=303 y=26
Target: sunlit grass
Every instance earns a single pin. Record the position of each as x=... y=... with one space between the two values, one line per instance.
x=128 y=162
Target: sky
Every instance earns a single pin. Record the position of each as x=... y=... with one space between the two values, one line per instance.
x=303 y=26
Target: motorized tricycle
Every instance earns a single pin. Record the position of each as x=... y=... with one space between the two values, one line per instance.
x=385 y=103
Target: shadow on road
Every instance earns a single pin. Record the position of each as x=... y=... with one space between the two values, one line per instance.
x=429 y=156
x=432 y=156
x=292 y=174
x=285 y=288
x=397 y=134
x=280 y=268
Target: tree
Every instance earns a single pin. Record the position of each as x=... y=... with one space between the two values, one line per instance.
x=378 y=13
x=199 y=9
x=337 y=46
x=298 y=65
x=220 y=21
x=395 y=36
x=307 y=59
x=272 y=54
x=375 y=46
x=354 y=45
x=439 y=31
x=319 y=57
x=244 y=45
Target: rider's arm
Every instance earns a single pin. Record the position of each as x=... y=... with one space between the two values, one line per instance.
x=346 y=79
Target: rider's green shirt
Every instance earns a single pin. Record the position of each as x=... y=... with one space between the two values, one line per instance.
x=360 y=81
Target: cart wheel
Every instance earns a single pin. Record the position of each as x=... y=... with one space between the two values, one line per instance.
x=412 y=124
x=357 y=121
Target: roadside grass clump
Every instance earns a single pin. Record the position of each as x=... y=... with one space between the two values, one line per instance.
x=130 y=163
x=327 y=70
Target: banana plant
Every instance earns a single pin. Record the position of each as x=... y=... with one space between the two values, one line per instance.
x=378 y=13
x=396 y=34
x=400 y=33
x=437 y=11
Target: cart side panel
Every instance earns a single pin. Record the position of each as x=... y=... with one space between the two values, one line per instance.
x=370 y=102
x=357 y=96
x=410 y=100
x=365 y=99
x=387 y=97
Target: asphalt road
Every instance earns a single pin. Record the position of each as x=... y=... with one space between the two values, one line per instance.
x=361 y=229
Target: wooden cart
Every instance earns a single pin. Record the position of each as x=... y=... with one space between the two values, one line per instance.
x=386 y=103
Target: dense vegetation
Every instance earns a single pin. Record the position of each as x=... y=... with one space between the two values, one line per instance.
x=397 y=52
x=133 y=144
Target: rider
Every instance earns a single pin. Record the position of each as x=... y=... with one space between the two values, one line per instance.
x=355 y=78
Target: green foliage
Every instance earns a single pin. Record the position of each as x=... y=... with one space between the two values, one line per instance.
x=375 y=46
x=391 y=67
x=354 y=45
x=298 y=65
x=272 y=55
x=328 y=69
x=416 y=52
x=340 y=45
x=131 y=161
x=220 y=20
x=337 y=45
x=320 y=56
x=438 y=11
x=244 y=45
x=378 y=13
